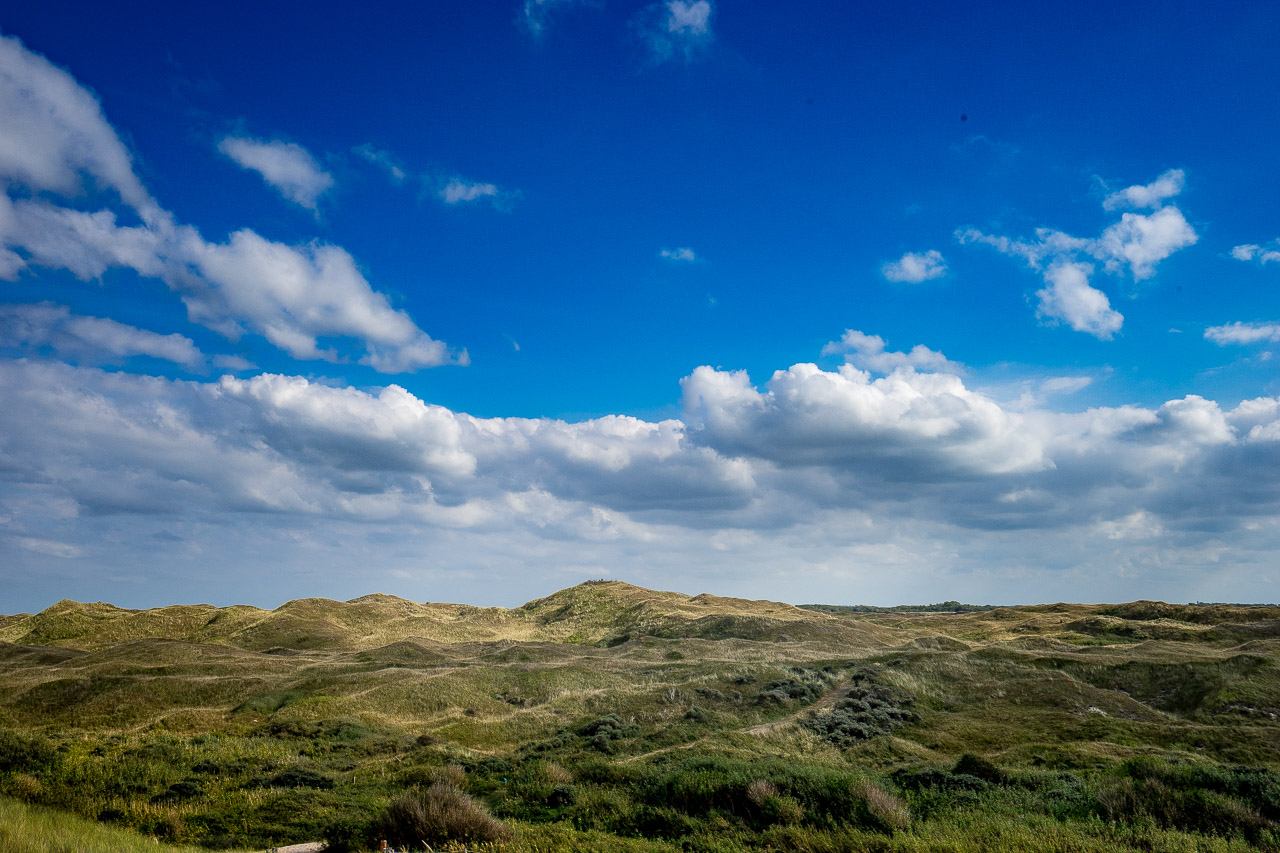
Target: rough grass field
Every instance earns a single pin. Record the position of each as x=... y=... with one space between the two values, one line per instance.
x=609 y=717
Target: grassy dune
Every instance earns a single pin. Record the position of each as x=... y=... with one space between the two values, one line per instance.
x=612 y=717
x=34 y=829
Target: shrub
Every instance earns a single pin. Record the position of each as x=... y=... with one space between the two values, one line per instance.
x=294 y=777
x=454 y=775
x=936 y=780
x=870 y=710
x=806 y=688
x=604 y=730
x=179 y=791
x=21 y=753
x=759 y=791
x=1203 y=799
x=347 y=835
x=437 y=815
x=977 y=766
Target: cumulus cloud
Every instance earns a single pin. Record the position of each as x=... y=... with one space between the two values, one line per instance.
x=868 y=352
x=1070 y=298
x=1153 y=194
x=286 y=166
x=1141 y=241
x=915 y=267
x=1243 y=333
x=294 y=295
x=1138 y=242
x=94 y=338
x=908 y=426
x=1252 y=251
x=684 y=253
x=676 y=29
x=291 y=295
x=835 y=465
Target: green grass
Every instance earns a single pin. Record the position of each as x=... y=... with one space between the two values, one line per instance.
x=34 y=829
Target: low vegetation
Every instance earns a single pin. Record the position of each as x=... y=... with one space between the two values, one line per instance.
x=608 y=717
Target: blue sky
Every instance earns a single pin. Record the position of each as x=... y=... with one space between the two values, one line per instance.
x=807 y=301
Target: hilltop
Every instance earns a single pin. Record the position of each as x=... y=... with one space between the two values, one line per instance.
x=591 y=612
x=244 y=725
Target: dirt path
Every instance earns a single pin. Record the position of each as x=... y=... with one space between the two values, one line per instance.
x=828 y=700
x=309 y=847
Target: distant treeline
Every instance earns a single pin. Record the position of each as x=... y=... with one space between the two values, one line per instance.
x=941 y=607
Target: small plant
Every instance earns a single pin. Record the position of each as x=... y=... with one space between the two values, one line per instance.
x=759 y=791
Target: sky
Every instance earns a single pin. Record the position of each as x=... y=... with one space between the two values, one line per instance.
x=815 y=302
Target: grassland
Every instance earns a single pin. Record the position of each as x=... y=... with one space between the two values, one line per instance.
x=609 y=717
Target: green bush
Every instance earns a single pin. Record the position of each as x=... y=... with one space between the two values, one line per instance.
x=21 y=753
x=979 y=767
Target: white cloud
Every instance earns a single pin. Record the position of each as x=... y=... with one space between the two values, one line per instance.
x=691 y=18
x=834 y=468
x=46 y=324
x=1071 y=299
x=381 y=158
x=294 y=295
x=286 y=166
x=1138 y=242
x=457 y=190
x=535 y=15
x=53 y=549
x=868 y=352
x=233 y=362
x=1065 y=384
x=907 y=424
x=684 y=253
x=675 y=29
x=915 y=267
x=1143 y=241
x=1153 y=194
x=291 y=295
x=1252 y=251
x=54 y=132
x=1243 y=333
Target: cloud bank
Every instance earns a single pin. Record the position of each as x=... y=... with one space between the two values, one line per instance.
x=899 y=450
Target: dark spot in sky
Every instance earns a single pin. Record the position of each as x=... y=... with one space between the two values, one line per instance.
x=1179 y=288
x=964 y=116
x=809 y=101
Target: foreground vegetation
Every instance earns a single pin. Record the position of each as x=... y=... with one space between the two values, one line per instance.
x=608 y=717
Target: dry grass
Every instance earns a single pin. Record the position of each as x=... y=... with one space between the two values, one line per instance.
x=885 y=808
x=439 y=814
